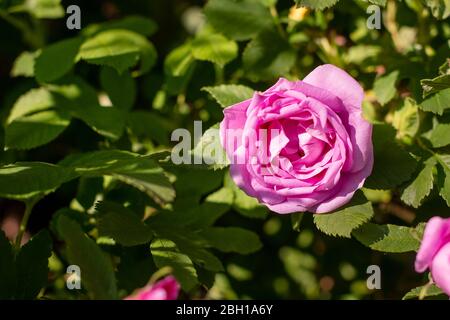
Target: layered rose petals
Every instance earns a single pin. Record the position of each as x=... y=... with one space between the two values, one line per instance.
x=434 y=252
x=300 y=146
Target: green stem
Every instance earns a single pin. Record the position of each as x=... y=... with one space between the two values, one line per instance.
x=23 y=224
x=276 y=20
x=220 y=76
x=33 y=36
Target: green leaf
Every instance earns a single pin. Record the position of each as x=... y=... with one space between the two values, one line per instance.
x=209 y=150
x=179 y=61
x=135 y=268
x=198 y=217
x=139 y=24
x=149 y=124
x=439 y=8
x=179 y=66
x=316 y=4
x=437 y=84
x=444 y=162
x=24 y=64
x=231 y=239
x=7 y=269
x=387 y=238
x=106 y=121
x=439 y=134
x=97 y=273
x=421 y=186
x=247 y=206
x=121 y=224
x=193 y=246
x=166 y=254
x=34 y=130
x=379 y=2
x=343 y=221
x=268 y=56
x=25 y=180
x=227 y=95
x=33 y=101
x=80 y=99
x=431 y=291
x=238 y=20
x=56 y=60
x=32 y=266
x=45 y=9
x=139 y=172
x=384 y=87
x=407 y=119
x=214 y=47
x=121 y=88
x=437 y=103
x=120 y=49
x=391 y=169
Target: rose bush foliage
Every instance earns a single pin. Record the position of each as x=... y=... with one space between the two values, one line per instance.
x=86 y=176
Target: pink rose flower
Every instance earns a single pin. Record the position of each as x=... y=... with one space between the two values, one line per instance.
x=166 y=289
x=303 y=145
x=434 y=252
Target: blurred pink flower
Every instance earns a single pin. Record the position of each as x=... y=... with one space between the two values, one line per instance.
x=166 y=289
x=434 y=252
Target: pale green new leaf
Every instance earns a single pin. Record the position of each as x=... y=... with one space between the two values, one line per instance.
x=227 y=95
x=384 y=87
x=406 y=119
x=24 y=64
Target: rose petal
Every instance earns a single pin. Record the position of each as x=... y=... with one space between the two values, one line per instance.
x=339 y=82
x=436 y=234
